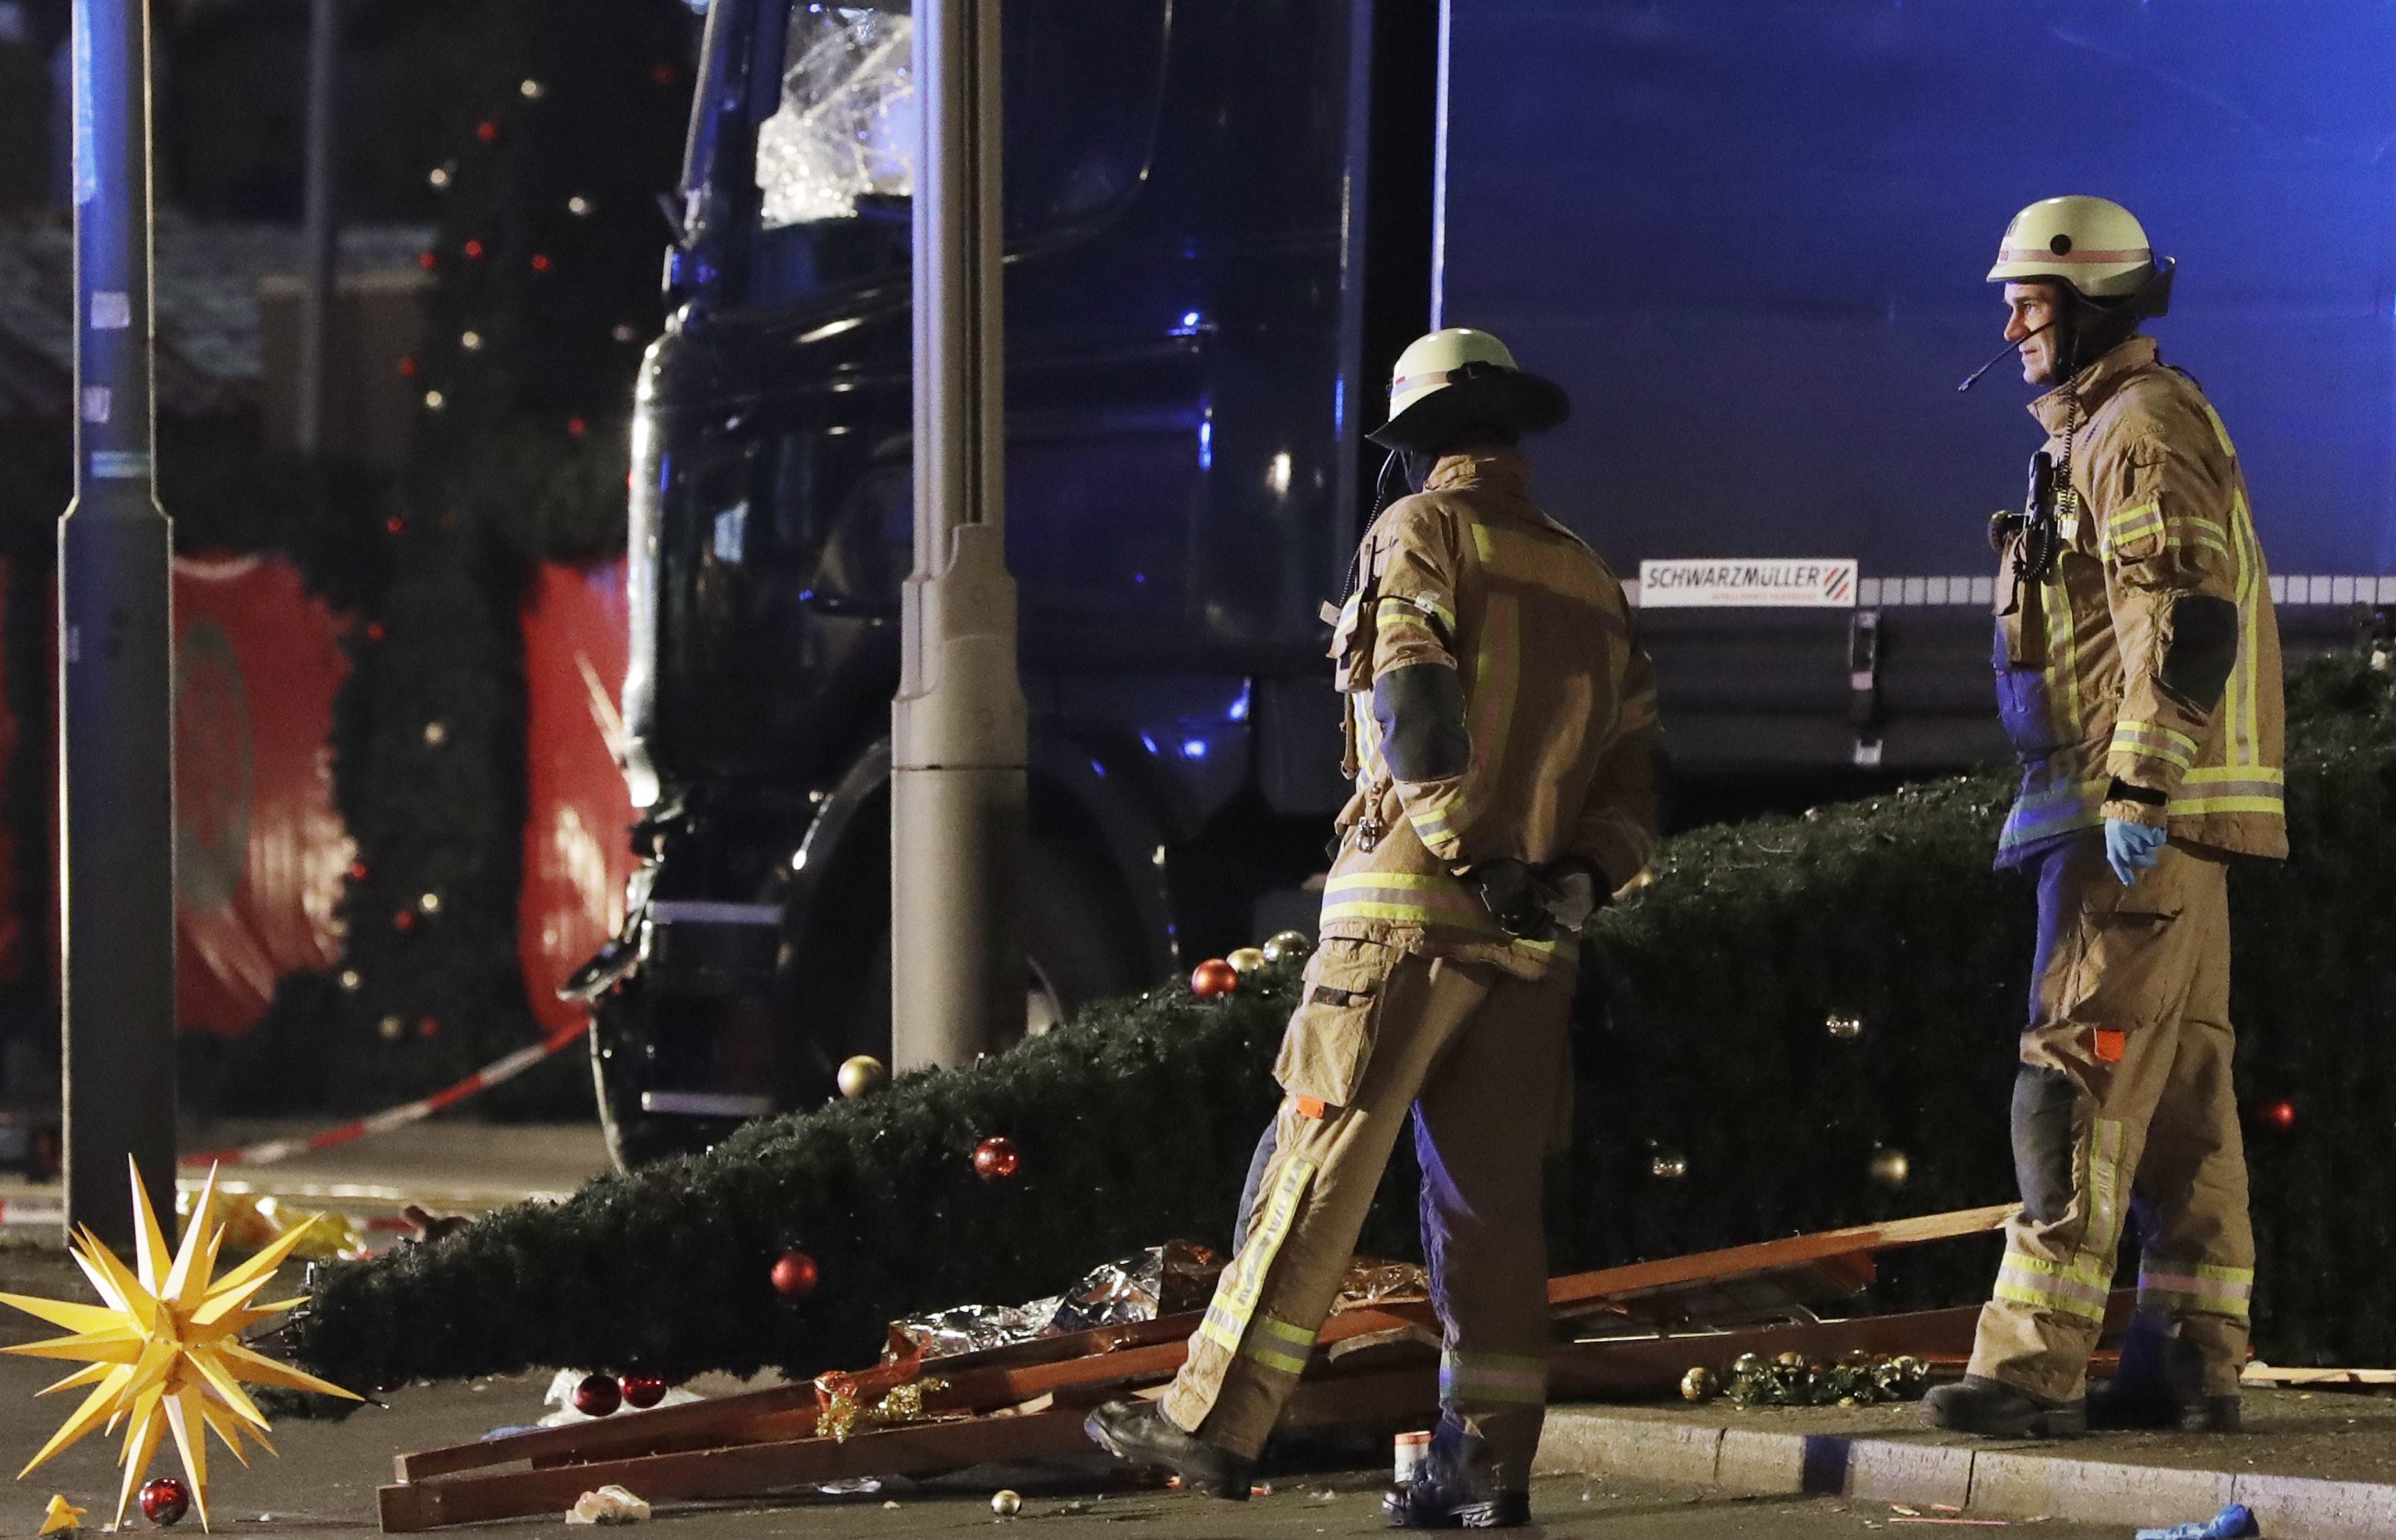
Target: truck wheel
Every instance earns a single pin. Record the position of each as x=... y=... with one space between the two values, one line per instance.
x=1074 y=939
x=620 y=1029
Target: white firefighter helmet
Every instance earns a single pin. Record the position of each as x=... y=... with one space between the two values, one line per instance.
x=1458 y=378
x=2093 y=244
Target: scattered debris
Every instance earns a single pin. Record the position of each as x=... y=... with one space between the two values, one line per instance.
x=608 y=1505
x=61 y=1517
x=966 y=1388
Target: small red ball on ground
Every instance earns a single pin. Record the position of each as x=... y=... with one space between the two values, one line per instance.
x=164 y=1500
x=642 y=1391
x=996 y=1159
x=598 y=1394
x=795 y=1275
x=1214 y=977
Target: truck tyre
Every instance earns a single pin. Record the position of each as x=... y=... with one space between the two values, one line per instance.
x=1074 y=938
x=619 y=1030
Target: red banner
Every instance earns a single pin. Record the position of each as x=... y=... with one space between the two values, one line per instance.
x=576 y=856
x=260 y=851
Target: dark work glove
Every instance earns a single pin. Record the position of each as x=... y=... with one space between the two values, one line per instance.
x=1572 y=892
x=1515 y=898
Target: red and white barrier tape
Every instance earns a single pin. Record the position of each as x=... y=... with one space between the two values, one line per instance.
x=398 y=1117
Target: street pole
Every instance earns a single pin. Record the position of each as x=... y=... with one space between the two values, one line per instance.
x=117 y=740
x=958 y=732
x=316 y=286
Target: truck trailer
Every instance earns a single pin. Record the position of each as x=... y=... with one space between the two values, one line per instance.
x=1748 y=237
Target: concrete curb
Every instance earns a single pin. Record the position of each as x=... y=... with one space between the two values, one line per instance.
x=1987 y=1482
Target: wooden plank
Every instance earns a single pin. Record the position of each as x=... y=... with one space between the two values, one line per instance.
x=1638 y=1278
x=708 y=1422
x=2259 y=1373
x=741 y=1470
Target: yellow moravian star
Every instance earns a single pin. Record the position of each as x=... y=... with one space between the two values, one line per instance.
x=164 y=1352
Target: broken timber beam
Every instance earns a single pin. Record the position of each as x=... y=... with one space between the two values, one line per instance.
x=734 y=1470
x=1611 y=1285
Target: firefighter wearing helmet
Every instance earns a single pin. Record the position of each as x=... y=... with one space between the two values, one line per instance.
x=2137 y=669
x=1501 y=739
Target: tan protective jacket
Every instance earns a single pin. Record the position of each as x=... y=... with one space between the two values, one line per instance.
x=1560 y=707
x=2149 y=653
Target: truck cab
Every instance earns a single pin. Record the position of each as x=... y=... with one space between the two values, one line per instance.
x=1184 y=309
x=1749 y=239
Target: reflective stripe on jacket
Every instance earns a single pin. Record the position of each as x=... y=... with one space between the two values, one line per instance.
x=2150 y=654
x=1559 y=705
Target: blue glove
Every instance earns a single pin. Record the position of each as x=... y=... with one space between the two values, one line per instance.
x=2131 y=848
x=2234 y=1522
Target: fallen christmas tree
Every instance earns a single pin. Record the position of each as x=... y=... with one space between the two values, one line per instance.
x=1803 y=1023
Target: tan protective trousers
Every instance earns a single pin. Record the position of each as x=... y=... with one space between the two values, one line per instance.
x=2124 y=1096
x=1484 y=1060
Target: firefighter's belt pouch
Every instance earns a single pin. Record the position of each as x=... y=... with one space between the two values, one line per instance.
x=1352 y=655
x=2021 y=615
x=1330 y=1036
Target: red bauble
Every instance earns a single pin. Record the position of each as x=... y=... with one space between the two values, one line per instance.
x=795 y=1275
x=597 y=1395
x=408 y=366
x=576 y=427
x=404 y=921
x=475 y=250
x=486 y=130
x=164 y=1500
x=2281 y=1114
x=427 y=261
x=642 y=1391
x=357 y=871
x=996 y=1159
x=539 y=263
x=395 y=524
x=1214 y=977
x=374 y=631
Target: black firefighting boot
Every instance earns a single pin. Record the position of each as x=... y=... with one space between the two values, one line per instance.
x=1139 y=1432
x=1996 y=1410
x=2161 y=1384
x=1454 y=1488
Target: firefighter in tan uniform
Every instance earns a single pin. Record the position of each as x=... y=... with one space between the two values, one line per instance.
x=2139 y=673
x=1502 y=738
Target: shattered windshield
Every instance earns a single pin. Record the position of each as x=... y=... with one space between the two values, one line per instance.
x=847 y=125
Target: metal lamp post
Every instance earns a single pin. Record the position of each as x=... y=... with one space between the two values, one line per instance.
x=958 y=725
x=116 y=777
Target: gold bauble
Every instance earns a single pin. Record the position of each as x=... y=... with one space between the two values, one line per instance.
x=862 y=1076
x=1247 y=960
x=1699 y=1384
x=1890 y=1168
x=1790 y=1361
x=1006 y=1503
x=1285 y=945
